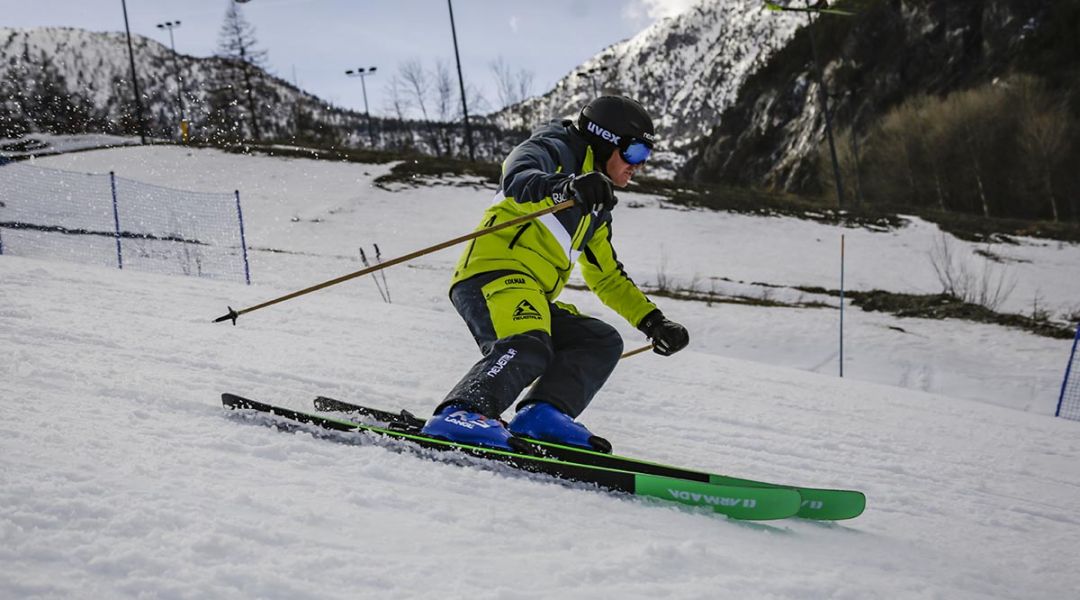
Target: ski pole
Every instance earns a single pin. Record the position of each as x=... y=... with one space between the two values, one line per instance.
x=233 y=314
x=378 y=260
x=363 y=259
x=630 y=353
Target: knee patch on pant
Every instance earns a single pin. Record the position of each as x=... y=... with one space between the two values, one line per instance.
x=534 y=346
x=608 y=341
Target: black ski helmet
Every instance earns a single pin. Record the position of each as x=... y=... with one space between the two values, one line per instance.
x=610 y=122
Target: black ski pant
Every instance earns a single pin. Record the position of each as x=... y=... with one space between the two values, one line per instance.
x=569 y=355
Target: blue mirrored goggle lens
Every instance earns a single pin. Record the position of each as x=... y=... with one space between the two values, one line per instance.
x=636 y=153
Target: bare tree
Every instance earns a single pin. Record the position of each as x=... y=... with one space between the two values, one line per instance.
x=896 y=138
x=505 y=86
x=978 y=117
x=400 y=104
x=444 y=102
x=236 y=42
x=444 y=91
x=524 y=84
x=418 y=83
x=1044 y=133
x=512 y=87
x=990 y=287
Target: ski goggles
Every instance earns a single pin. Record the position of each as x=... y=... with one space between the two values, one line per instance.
x=636 y=152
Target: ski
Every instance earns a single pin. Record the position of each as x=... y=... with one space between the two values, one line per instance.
x=735 y=501
x=817 y=503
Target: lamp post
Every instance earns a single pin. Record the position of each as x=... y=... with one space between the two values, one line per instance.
x=823 y=96
x=591 y=74
x=170 y=25
x=362 y=73
x=461 y=82
x=134 y=79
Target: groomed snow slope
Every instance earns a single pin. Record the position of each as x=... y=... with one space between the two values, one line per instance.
x=122 y=477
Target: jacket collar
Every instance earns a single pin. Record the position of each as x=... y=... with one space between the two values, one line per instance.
x=583 y=152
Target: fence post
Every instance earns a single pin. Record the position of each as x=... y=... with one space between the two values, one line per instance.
x=116 y=221
x=243 y=240
x=1068 y=371
x=841 y=305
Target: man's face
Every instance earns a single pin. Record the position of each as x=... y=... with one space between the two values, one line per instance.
x=619 y=171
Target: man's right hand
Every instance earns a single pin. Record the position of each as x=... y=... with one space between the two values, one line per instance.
x=592 y=191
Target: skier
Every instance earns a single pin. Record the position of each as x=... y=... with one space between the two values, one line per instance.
x=506 y=283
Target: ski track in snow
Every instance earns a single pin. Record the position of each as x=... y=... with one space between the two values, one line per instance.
x=121 y=475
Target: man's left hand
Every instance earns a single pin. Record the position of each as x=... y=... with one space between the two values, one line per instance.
x=668 y=337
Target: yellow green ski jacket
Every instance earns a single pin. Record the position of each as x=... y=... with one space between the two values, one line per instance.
x=547 y=248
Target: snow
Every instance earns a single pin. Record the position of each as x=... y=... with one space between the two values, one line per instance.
x=122 y=476
x=39 y=144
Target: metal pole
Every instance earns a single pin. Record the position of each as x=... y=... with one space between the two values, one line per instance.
x=134 y=79
x=367 y=115
x=116 y=221
x=461 y=82
x=378 y=260
x=823 y=97
x=841 y=305
x=179 y=79
x=1068 y=371
x=233 y=314
x=243 y=240
x=364 y=260
x=362 y=73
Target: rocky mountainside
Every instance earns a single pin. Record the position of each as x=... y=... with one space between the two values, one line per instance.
x=889 y=51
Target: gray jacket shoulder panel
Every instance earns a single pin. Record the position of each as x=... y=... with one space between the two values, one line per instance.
x=553 y=153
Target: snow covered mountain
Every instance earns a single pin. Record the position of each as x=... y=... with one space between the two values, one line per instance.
x=92 y=70
x=686 y=69
x=68 y=80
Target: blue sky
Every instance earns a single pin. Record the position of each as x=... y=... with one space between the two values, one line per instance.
x=315 y=41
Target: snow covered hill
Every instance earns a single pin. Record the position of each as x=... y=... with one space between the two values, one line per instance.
x=67 y=79
x=686 y=69
x=122 y=477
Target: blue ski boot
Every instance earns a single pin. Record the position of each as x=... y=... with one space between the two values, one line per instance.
x=456 y=424
x=542 y=421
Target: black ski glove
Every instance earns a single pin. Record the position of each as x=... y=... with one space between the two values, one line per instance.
x=590 y=190
x=668 y=337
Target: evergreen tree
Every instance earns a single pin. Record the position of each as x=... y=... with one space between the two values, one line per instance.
x=236 y=44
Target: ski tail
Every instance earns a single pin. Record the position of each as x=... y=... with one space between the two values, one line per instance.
x=738 y=502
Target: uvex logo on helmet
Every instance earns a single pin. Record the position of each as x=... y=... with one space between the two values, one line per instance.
x=603 y=133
